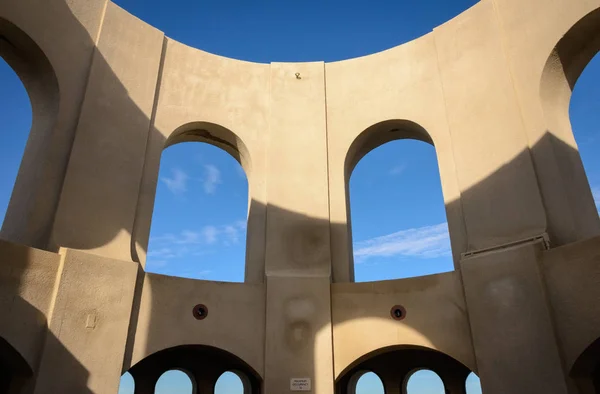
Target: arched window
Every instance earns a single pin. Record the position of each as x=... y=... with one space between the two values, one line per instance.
x=585 y=118
x=424 y=381
x=200 y=214
x=369 y=383
x=15 y=112
x=127 y=385
x=174 y=382
x=473 y=385
x=399 y=226
x=231 y=383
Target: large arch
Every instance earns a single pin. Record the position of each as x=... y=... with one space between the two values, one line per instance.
x=24 y=223
x=203 y=364
x=220 y=137
x=395 y=364
x=568 y=201
x=369 y=140
x=15 y=372
x=586 y=369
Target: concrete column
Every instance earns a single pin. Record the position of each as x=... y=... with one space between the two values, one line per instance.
x=145 y=384
x=298 y=264
x=99 y=198
x=88 y=325
x=510 y=321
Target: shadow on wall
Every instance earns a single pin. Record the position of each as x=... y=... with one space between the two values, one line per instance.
x=29 y=351
x=114 y=212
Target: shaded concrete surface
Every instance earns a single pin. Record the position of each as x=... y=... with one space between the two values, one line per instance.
x=113 y=92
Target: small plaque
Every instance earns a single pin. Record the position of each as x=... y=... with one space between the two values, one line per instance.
x=300 y=384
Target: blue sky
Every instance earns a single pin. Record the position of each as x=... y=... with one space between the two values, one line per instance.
x=398 y=218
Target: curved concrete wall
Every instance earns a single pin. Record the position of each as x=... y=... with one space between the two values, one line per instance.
x=489 y=89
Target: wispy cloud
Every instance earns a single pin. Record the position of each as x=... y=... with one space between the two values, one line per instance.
x=212 y=177
x=195 y=243
x=209 y=234
x=596 y=194
x=397 y=170
x=421 y=242
x=177 y=184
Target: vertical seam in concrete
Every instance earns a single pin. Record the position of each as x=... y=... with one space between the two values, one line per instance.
x=52 y=306
x=331 y=270
x=518 y=101
x=462 y=211
x=57 y=282
x=50 y=241
x=561 y=354
x=462 y=208
x=537 y=180
x=102 y=16
x=161 y=63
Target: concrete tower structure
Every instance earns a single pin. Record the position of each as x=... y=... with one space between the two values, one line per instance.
x=489 y=89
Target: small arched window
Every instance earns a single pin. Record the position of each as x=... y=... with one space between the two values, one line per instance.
x=232 y=383
x=473 y=385
x=368 y=383
x=175 y=382
x=424 y=381
x=127 y=385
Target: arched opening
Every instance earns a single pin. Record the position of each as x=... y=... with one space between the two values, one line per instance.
x=203 y=365
x=15 y=113
x=584 y=113
x=127 y=384
x=174 y=382
x=366 y=382
x=397 y=212
x=473 y=384
x=570 y=208
x=201 y=207
x=15 y=373
x=586 y=369
x=398 y=366
x=424 y=381
x=232 y=383
x=27 y=138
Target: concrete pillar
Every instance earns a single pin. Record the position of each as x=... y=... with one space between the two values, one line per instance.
x=510 y=321
x=88 y=325
x=298 y=264
x=144 y=384
x=103 y=179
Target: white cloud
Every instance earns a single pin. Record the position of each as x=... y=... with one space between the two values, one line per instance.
x=212 y=177
x=422 y=242
x=397 y=170
x=210 y=234
x=178 y=183
x=194 y=243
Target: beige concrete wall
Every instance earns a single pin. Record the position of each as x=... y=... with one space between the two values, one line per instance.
x=510 y=319
x=91 y=309
x=46 y=69
x=106 y=164
x=27 y=278
x=571 y=275
x=436 y=318
x=235 y=321
x=486 y=89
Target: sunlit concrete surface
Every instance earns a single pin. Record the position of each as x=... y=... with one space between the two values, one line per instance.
x=490 y=89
